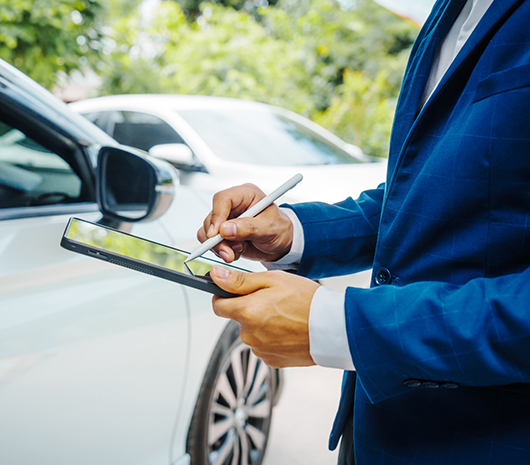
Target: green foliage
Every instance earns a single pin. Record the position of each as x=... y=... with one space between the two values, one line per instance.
x=356 y=59
x=309 y=56
x=340 y=66
x=361 y=110
x=232 y=55
x=227 y=53
x=192 y=8
x=42 y=37
x=365 y=38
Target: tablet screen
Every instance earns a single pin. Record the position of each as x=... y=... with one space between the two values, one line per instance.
x=126 y=245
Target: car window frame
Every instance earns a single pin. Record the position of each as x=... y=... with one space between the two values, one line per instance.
x=102 y=122
x=106 y=112
x=56 y=139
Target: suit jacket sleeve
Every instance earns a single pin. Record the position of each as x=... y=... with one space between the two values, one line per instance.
x=476 y=334
x=339 y=239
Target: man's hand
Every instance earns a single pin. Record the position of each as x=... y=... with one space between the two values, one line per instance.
x=273 y=313
x=266 y=237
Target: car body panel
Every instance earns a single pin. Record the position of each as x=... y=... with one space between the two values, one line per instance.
x=328 y=183
x=94 y=358
x=82 y=342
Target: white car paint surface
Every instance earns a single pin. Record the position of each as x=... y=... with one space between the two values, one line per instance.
x=74 y=358
x=248 y=138
x=98 y=364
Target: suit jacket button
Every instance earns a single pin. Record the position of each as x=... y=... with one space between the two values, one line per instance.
x=412 y=383
x=382 y=276
x=430 y=384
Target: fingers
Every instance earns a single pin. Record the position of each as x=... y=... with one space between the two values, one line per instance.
x=234 y=245
x=242 y=283
x=272 y=312
x=238 y=282
x=226 y=205
x=231 y=203
x=243 y=229
x=279 y=361
x=236 y=234
x=227 y=250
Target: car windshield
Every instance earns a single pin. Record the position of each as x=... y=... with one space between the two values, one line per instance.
x=263 y=138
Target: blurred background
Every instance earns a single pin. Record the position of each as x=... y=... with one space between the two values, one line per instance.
x=337 y=62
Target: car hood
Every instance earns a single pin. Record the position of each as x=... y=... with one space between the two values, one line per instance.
x=325 y=183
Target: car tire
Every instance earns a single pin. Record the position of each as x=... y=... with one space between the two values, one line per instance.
x=231 y=421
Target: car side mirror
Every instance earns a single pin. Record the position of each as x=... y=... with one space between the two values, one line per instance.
x=179 y=155
x=132 y=186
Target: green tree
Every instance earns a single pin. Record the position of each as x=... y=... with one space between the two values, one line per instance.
x=312 y=57
x=361 y=110
x=192 y=8
x=227 y=53
x=363 y=38
x=336 y=62
x=42 y=37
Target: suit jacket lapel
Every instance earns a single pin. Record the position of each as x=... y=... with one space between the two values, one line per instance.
x=485 y=28
x=444 y=14
x=419 y=68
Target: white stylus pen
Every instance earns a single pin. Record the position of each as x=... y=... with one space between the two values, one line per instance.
x=252 y=211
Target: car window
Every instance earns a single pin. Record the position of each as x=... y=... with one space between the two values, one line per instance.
x=99 y=118
x=31 y=175
x=263 y=138
x=137 y=129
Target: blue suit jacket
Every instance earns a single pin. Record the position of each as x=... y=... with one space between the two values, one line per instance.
x=441 y=341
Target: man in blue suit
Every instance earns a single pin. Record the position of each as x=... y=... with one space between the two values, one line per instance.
x=441 y=340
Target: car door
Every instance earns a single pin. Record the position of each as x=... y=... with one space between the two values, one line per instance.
x=92 y=356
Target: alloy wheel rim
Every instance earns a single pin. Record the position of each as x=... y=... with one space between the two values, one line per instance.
x=240 y=411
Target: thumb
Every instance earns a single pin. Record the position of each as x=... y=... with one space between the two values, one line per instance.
x=237 y=282
x=242 y=229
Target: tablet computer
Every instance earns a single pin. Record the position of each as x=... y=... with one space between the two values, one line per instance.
x=136 y=253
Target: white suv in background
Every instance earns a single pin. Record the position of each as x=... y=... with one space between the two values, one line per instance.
x=221 y=142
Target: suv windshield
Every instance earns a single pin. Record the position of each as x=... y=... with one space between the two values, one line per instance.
x=263 y=138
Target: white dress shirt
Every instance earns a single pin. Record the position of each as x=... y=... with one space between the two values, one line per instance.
x=328 y=339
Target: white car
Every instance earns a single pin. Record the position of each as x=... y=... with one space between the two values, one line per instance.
x=100 y=364
x=220 y=142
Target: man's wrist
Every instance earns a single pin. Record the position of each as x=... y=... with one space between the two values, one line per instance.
x=290 y=261
x=294 y=255
x=328 y=338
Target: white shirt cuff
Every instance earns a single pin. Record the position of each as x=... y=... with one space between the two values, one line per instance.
x=289 y=261
x=328 y=340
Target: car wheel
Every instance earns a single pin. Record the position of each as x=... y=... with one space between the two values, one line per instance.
x=231 y=421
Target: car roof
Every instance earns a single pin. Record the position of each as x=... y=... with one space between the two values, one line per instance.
x=159 y=103
x=21 y=89
x=175 y=102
